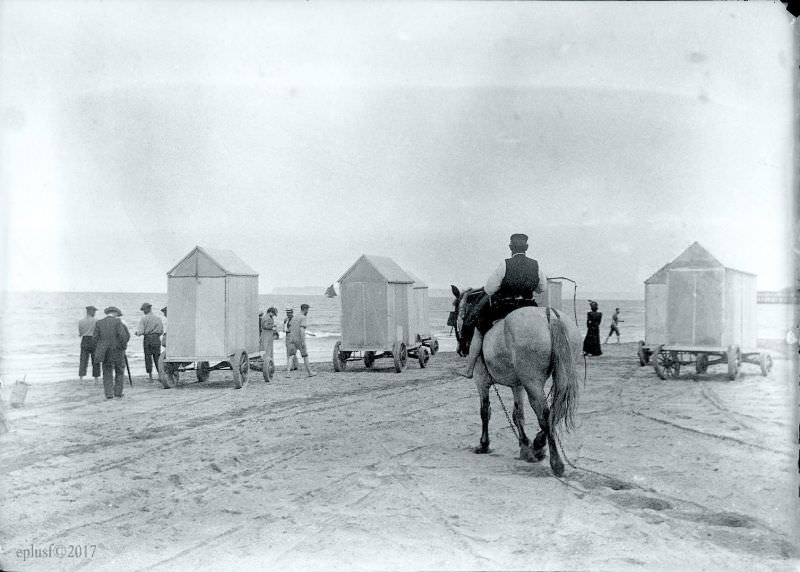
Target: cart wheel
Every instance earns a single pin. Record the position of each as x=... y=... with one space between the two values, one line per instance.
x=765 y=361
x=644 y=357
x=733 y=362
x=423 y=356
x=369 y=359
x=666 y=364
x=701 y=365
x=203 y=371
x=400 y=356
x=240 y=365
x=339 y=362
x=167 y=372
x=434 y=347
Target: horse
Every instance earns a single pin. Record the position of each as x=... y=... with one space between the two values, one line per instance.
x=522 y=351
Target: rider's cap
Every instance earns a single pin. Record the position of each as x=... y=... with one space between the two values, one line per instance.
x=91 y=309
x=146 y=306
x=289 y=309
x=519 y=238
x=112 y=310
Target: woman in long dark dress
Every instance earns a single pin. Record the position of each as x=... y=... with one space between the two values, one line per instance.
x=591 y=343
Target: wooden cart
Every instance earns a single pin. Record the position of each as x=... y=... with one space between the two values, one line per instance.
x=376 y=309
x=213 y=318
x=668 y=359
x=701 y=313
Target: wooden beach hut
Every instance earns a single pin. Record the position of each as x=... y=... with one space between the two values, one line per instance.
x=552 y=295
x=375 y=296
x=213 y=309
x=709 y=304
x=419 y=320
x=378 y=314
x=655 y=307
x=697 y=307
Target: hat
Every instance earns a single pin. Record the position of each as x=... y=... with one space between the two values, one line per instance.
x=289 y=309
x=112 y=309
x=146 y=306
x=91 y=309
x=519 y=238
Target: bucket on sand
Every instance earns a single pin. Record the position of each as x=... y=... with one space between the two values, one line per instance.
x=18 y=393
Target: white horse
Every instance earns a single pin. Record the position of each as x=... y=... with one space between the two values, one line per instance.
x=522 y=351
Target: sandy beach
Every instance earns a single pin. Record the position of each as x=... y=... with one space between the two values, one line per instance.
x=373 y=470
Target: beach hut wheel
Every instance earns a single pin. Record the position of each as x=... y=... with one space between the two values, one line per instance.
x=241 y=367
x=369 y=359
x=203 y=371
x=765 y=361
x=423 y=356
x=339 y=362
x=400 y=356
x=733 y=362
x=168 y=373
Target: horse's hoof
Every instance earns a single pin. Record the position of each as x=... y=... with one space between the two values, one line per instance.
x=527 y=454
x=540 y=454
x=558 y=468
x=481 y=450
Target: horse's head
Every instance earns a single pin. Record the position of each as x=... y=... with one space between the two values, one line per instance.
x=462 y=306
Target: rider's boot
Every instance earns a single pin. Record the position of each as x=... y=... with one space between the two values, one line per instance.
x=474 y=351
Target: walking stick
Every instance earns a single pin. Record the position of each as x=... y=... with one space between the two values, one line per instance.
x=127 y=365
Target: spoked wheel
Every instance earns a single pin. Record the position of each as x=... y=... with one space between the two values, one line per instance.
x=167 y=372
x=666 y=364
x=203 y=371
x=423 y=356
x=240 y=365
x=339 y=361
x=765 y=361
x=369 y=359
x=733 y=362
x=701 y=365
x=400 y=356
x=644 y=357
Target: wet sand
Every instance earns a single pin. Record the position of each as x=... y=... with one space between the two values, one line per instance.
x=369 y=470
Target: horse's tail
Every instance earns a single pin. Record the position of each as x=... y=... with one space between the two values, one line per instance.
x=565 y=377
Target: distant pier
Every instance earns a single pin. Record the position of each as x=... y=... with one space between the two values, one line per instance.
x=780 y=297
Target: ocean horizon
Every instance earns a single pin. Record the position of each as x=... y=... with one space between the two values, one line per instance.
x=40 y=340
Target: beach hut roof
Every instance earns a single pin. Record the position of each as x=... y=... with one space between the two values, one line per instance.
x=695 y=256
x=659 y=277
x=417 y=282
x=383 y=265
x=211 y=262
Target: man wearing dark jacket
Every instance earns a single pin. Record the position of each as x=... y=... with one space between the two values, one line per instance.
x=111 y=339
x=511 y=286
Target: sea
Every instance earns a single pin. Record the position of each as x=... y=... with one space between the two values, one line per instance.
x=40 y=342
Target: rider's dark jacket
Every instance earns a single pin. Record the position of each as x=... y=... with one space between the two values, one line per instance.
x=520 y=280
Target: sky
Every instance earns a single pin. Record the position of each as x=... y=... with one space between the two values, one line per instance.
x=302 y=135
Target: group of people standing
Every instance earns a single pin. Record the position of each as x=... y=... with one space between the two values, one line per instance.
x=295 y=330
x=104 y=342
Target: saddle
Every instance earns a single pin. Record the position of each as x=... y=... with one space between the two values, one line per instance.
x=491 y=309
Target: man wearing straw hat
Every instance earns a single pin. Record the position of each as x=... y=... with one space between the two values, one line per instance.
x=111 y=339
x=86 y=332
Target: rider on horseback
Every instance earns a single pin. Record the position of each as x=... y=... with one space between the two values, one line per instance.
x=510 y=286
